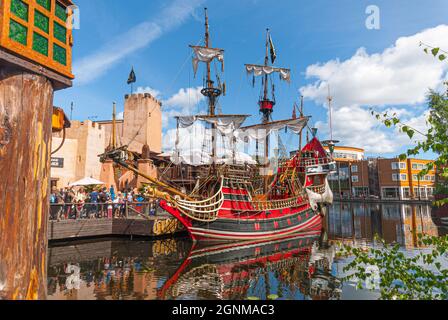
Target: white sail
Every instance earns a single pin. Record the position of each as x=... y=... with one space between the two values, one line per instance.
x=203 y=54
x=225 y=124
x=258 y=70
x=261 y=131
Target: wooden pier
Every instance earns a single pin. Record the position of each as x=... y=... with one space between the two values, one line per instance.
x=91 y=228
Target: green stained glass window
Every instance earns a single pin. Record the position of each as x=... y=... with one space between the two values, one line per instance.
x=45 y=3
x=40 y=44
x=17 y=32
x=41 y=21
x=60 y=32
x=60 y=12
x=59 y=54
x=20 y=9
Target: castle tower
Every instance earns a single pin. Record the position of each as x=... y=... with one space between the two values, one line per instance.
x=143 y=119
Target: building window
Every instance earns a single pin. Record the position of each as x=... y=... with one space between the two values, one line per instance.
x=406 y=193
x=398 y=165
x=391 y=193
x=354 y=168
x=355 y=179
x=414 y=166
x=414 y=177
x=399 y=177
x=416 y=193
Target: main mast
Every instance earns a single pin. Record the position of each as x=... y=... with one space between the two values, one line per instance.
x=266 y=105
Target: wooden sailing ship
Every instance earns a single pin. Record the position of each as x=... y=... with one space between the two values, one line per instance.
x=239 y=199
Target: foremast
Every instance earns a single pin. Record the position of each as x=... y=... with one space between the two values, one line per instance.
x=207 y=54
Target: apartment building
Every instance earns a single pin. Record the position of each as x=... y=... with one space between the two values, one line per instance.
x=352 y=176
x=399 y=180
x=392 y=179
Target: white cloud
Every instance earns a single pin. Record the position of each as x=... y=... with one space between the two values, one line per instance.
x=183 y=103
x=185 y=99
x=155 y=93
x=120 y=116
x=96 y=64
x=399 y=76
x=355 y=126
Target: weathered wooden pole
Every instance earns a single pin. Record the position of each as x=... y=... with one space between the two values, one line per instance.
x=35 y=60
x=26 y=104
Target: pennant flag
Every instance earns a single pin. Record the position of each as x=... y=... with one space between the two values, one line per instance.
x=132 y=78
x=273 y=52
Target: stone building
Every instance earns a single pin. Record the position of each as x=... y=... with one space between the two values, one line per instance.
x=140 y=129
x=78 y=157
x=141 y=124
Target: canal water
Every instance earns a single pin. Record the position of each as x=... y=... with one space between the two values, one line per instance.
x=302 y=268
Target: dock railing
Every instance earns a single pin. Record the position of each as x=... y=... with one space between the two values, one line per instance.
x=127 y=210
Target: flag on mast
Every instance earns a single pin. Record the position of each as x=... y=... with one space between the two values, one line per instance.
x=273 y=52
x=132 y=78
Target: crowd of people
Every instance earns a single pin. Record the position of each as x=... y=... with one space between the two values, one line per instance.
x=81 y=203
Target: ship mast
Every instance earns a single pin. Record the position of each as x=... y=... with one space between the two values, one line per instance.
x=114 y=117
x=210 y=92
x=266 y=105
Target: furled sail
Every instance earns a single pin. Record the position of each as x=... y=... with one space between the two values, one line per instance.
x=204 y=54
x=225 y=124
x=256 y=132
x=258 y=70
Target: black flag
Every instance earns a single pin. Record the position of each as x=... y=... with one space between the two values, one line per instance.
x=132 y=78
x=273 y=53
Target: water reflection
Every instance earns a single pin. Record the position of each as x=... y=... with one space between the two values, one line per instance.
x=394 y=222
x=302 y=267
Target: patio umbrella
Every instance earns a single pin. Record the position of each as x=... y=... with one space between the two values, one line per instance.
x=86 y=182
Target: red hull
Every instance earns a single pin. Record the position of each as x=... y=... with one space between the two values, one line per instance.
x=258 y=229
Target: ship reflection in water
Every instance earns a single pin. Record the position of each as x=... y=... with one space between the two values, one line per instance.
x=305 y=266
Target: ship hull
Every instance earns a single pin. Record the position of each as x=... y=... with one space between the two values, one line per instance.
x=259 y=229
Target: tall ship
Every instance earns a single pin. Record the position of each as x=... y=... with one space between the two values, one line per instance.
x=228 y=195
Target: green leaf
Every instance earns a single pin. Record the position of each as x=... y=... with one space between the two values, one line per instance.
x=435 y=51
x=410 y=133
x=442 y=57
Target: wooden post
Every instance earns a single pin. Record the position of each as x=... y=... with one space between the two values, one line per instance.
x=26 y=102
x=33 y=64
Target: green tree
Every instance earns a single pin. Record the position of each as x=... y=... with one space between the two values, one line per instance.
x=402 y=277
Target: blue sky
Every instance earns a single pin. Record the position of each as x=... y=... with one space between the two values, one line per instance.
x=319 y=40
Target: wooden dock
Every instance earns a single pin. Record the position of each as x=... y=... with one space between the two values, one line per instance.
x=90 y=228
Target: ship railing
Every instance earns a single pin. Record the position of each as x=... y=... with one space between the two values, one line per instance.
x=202 y=210
x=277 y=204
x=90 y=211
x=306 y=162
x=318 y=189
x=313 y=162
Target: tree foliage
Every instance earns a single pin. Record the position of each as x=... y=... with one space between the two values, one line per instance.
x=402 y=277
